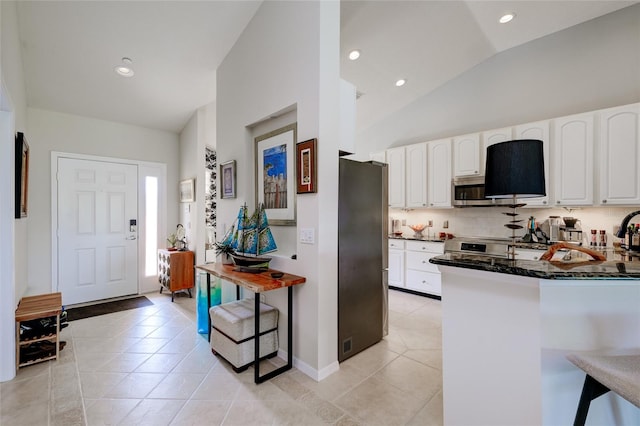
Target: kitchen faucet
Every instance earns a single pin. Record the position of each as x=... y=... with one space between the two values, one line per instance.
x=625 y=223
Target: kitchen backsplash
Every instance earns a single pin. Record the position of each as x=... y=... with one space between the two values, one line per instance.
x=489 y=221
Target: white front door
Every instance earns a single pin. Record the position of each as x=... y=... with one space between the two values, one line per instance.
x=97 y=230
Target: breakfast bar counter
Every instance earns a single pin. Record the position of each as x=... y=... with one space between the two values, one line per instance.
x=570 y=270
x=507 y=326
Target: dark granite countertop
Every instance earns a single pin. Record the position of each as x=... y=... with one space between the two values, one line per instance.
x=593 y=270
x=412 y=238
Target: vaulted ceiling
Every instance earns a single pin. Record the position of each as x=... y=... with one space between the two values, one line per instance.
x=70 y=49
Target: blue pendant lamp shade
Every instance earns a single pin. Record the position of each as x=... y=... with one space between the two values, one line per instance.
x=515 y=168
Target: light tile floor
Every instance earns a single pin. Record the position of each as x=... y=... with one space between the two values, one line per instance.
x=148 y=366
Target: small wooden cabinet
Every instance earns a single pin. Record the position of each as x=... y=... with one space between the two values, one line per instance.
x=44 y=345
x=175 y=271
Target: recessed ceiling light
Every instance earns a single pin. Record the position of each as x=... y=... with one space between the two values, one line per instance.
x=401 y=82
x=125 y=68
x=354 y=54
x=507 y=17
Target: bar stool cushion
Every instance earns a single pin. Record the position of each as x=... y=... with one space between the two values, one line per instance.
x=620 y=373
x=232 y=331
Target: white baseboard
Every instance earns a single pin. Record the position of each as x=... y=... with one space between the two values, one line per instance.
x=305 y=368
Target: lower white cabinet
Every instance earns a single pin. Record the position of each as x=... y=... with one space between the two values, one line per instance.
x=396 y=263
x=418 y=274
x=528 y=254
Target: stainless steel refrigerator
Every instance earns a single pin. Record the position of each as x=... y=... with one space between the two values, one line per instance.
x=362 y=256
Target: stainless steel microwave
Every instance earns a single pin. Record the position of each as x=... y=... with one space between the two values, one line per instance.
x=469 y=192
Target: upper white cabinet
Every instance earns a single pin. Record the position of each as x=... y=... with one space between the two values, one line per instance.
x=492 y=137
x=620 y=155
x=589 y=158
x=416 y=160
x=439 y=176
x=540 y=131
x=380 y=157
x=396 y=162
x=573 y=160
x=466 y=155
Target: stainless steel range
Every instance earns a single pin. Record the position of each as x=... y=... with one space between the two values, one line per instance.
x=479 y=246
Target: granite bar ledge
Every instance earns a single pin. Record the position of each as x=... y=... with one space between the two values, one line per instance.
x=593 y=270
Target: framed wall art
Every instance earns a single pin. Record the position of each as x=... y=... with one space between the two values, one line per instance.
x=306 y=175
x=187 y=191
x=275 y=163
x=22 y=176
x=228 y=179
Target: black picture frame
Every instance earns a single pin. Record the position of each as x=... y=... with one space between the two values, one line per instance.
x=22 y=176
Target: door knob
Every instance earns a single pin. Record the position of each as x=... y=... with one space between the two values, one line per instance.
x=132 y=237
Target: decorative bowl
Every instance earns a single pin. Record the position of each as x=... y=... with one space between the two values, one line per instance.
x=417 y=230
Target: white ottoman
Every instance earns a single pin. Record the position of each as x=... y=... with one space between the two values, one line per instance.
x=232 y=327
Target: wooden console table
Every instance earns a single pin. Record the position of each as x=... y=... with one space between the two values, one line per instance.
x=257 y=283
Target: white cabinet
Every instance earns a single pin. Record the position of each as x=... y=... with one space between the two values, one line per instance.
x=540 y=131
x=528 y=254
x=396 y=162
x=466 y=155
x=422 y=276
x=439 y=176
x=416 y=161
x=492 y=137
x=396 y=263
x=620 y=155
x=573 y=160
x=380 y=157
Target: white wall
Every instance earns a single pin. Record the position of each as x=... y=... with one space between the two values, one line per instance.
x=53 y=131
x=11 y=63
x=13 y=233
x=288 y=56
x=189 y=170
x=590 y=66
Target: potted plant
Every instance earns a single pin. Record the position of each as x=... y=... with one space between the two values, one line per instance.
x=224 y=250
x=172 y=240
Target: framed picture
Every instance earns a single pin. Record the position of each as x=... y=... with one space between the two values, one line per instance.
x=275 y=174
x=228 y=179
x=187 y=191
x=22 y=176
x=306 y=176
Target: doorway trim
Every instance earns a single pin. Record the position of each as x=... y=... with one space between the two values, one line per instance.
x=145 y=168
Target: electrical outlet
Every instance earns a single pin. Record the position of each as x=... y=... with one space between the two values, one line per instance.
x=263 y=298
x=445 y=224
x=404 y=222
x=430 y=222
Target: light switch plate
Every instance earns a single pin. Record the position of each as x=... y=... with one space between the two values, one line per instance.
x=307 y=236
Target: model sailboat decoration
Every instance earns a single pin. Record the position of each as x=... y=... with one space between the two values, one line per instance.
x=250 y=237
